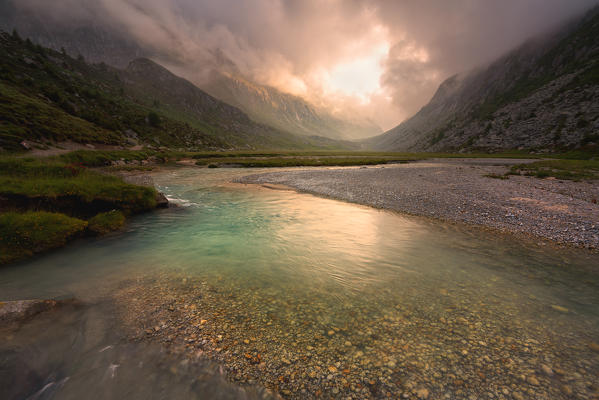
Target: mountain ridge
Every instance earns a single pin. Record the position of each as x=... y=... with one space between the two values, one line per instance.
x=541 y=95
x=98 y=42
x=49 y=97
x=285 y=111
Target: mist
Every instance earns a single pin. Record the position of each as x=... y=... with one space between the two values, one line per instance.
x=381 y=59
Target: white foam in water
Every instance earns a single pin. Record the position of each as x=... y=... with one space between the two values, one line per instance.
x=181 y=202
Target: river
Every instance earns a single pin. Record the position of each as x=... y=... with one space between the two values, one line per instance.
x=249 y=287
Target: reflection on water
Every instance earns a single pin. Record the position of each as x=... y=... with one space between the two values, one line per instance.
x=406 y=294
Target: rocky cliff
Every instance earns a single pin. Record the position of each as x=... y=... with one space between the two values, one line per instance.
x=542 y=95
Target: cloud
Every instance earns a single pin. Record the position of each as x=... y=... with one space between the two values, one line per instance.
x=297 y=45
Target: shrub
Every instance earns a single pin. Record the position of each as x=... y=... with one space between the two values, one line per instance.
x=153 y=119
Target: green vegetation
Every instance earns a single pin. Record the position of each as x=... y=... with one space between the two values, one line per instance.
x=328 y=158
x=45 y=202
x=51 y=182
x=93 y=158
x=26 y=117
x=106 y=222
x=47 y=97
x=153 y=119
x=496 y=176
x=22 y=235
x=560 y=169
x=437 y=137
x=311 y=161
x=571 y=60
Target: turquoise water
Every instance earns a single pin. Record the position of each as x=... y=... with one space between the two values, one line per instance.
x=334 y=258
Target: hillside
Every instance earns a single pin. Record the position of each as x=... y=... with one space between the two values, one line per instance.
x=77 y=36
x=100 y=43
x=48 y=97
x=284 y=111
x=543 y=95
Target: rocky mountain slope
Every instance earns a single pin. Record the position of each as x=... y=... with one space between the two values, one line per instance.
x=542 y=95
x=284 y=111
x=85 y=37
x=97 y=42
x=49 y=97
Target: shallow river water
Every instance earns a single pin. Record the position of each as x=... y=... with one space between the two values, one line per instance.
x=242 y=288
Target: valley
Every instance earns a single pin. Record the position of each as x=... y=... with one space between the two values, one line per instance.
x=299 y=200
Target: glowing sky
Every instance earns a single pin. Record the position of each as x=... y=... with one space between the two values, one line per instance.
x=359 y=76
x=382 y=59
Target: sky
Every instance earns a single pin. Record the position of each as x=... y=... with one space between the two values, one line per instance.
x=381 y=59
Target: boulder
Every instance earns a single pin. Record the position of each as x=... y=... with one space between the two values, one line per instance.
x=22 y=309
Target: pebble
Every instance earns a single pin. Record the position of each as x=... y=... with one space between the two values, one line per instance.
x=450 y=192
x=567 y=390
x=422 y=393
x=517 y=396
x=467 y=356
x=546 y=370
x=532 y=380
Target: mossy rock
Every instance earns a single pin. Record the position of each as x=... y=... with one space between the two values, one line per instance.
x=22 y=235
x=104 y=223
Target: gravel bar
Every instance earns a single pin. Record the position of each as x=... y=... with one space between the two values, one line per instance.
x=458 y=190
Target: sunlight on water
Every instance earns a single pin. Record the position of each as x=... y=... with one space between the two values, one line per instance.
x=347 y=265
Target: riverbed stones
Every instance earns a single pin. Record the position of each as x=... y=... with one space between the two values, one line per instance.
x=19 y=310
x=547 y=370
x=564 y=212
x=395 y=352
x=532 y=380
x=422 y=393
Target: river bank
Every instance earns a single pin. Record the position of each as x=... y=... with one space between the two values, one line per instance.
x=307 y=297
x=46 y=203
x=465 y=191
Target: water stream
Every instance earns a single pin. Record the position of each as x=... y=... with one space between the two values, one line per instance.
x=306 y=296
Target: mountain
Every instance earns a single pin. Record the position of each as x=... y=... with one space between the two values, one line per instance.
x=49 y=97
x=542 y=95
x=87 y=37
x=284 y=111
x=97 y=42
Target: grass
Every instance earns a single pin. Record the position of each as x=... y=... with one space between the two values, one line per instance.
x=297 y=161
x=560 y=169
x=49 y=179
x=104 y=223
x=28 y=117
x=45 y=202
x=328 y=158
x=50 y=97
x=496 y=176
x=22 y=235
x=98 y=158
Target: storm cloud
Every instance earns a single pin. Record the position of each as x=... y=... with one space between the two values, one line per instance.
x=323 y=49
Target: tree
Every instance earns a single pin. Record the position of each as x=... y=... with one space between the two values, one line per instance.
x=153 y=119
